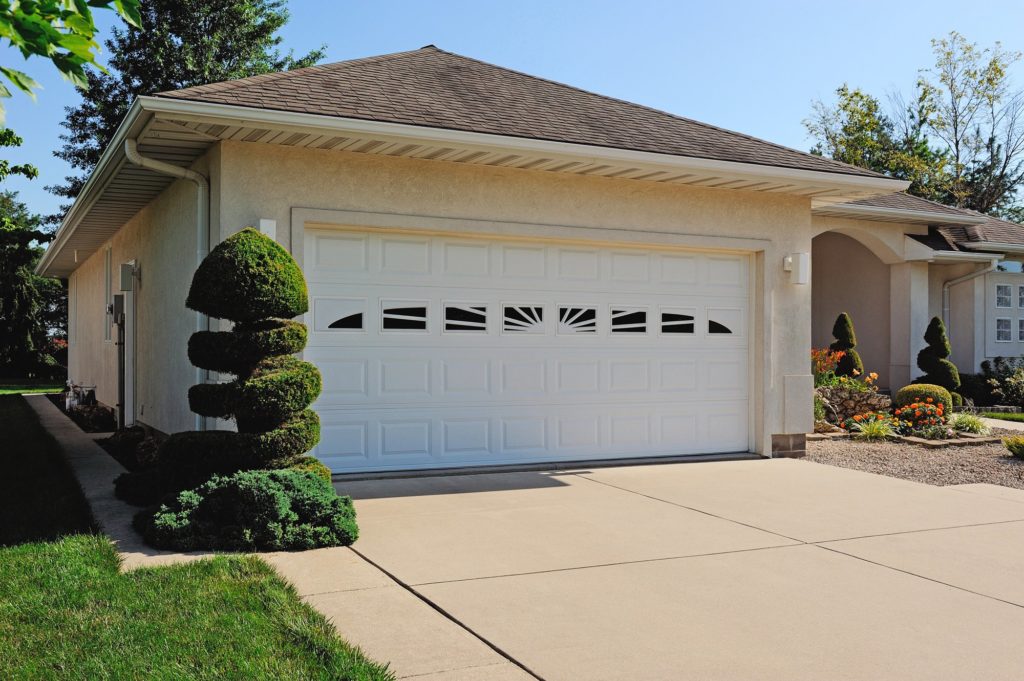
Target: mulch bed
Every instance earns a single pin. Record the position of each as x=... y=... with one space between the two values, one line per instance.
x=989 y=463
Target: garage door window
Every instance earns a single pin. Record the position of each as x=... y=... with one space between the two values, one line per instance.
x=523 y=319
x=465 y=318
x=403 y=316
x=572 y=319
x=629 y=320
x=677 y=321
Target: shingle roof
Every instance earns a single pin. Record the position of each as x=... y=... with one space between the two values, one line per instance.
x=434 y=88
x=903 y=201
x=995 y=230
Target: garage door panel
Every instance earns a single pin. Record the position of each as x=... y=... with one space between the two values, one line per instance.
x=441 y=351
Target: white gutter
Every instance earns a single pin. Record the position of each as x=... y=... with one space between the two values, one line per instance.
x=131 y=152
x=991 y=267
x=993 y=246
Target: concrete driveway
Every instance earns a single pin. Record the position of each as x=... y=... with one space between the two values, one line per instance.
x=736 y=570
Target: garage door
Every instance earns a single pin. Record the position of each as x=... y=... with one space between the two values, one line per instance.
x=441 y=351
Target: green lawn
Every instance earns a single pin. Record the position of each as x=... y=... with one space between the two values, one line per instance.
x=9 y=387
x=67 y=612
x=1003 y=417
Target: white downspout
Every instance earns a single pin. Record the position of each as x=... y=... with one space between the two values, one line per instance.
x=991 y=267
x=131 y=151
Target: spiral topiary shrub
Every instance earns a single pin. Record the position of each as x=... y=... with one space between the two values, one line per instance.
x=252 y=281
x=933 y=359
x=285 y=510
x=850 y=363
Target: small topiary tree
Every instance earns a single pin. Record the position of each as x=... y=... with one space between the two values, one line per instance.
x=846 y=341
x=252 y=281
x=932 y=360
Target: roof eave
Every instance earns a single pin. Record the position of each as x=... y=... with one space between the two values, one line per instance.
x=898 y=214
x=995 y=246
x=242 y=116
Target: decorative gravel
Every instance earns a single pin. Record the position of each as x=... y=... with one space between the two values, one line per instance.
x=947 y=466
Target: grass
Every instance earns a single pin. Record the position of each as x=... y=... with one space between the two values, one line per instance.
x=29 y=386
x=66 y=610
x=1003 y=417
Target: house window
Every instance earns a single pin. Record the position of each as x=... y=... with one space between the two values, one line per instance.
x=403 y=316
x=472 y=318
x=1020 y=330
x=577 y=319
x=629 y=320
x=1004 y=332
x=108 y=299
x=523 y=319
x=1003 y=293
x=1020 y=296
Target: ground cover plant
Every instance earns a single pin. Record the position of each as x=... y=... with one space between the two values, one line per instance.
x=196 y=477
x=1015 y=445
x=968 y=423
x=66 y=612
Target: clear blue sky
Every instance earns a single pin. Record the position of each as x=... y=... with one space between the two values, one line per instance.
x=748 y=66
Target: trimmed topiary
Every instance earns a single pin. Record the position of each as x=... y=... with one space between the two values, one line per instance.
x=246 y=278
x=933 y=359
x=250 y=280
x=921 y=392
x=278 y=510
x=846 y=341
x=311 y=464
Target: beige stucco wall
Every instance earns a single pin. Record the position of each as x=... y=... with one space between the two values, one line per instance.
x=258 y=181
x=847 y=277
x=161 y=239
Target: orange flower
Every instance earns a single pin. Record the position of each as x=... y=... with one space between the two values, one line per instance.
x=917 y=412
x=929 y=400
x=857 y=417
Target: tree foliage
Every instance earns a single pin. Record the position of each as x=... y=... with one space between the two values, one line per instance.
x=959 y=138
x=62 y=31
x=31 y=307
x=178 y=44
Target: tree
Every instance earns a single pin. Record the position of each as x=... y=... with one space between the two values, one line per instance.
x=846 y=341
x=958 y=140
x=28 y=303
x=933 y=360
x=59 y=30
x=178 y=44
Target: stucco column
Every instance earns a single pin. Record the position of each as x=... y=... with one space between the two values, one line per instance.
x=908 y=319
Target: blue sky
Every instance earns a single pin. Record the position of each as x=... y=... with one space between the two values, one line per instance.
x=754 y=67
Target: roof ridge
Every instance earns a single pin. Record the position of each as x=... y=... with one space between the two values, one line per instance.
x=235 y=83
x=692 y=121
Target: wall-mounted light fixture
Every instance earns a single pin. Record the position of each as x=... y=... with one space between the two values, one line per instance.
x=799 y=267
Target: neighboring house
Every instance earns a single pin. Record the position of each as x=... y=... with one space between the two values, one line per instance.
x=502 y=269
x=894 y=262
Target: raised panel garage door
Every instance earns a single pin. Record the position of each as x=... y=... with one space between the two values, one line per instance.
x=440 y=351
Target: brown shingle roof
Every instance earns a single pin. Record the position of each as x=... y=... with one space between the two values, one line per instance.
x=902 y=201
x=433 y=88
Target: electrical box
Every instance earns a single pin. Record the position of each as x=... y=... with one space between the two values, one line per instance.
x=118 y=307
x=127 y=277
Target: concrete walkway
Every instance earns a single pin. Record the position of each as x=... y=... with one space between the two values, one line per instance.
x=776 y=569
x=1005 y=425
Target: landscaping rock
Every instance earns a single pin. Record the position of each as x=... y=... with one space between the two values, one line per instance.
x=843 y=403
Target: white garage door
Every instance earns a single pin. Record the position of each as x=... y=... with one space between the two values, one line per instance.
x=442 y=351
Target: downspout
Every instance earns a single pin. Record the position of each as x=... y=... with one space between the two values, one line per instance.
x=991 y=267
x=131 y=151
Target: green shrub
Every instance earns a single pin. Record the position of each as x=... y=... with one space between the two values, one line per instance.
x=280 y=510
x=968 y=423
x=975 y=389
x=246 y=278
x=872 y=429
x=252 y=281
x=846 y=341
x=933 y=359
x=1015 y=445
x=1010 y=390
x=819 y=408
x=920 y=392
x=311 y=464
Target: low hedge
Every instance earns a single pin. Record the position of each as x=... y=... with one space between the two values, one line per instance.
x=278 y=510
x=920 y=392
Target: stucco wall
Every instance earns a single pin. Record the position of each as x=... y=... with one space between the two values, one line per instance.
x=847 y=277
x=258 y=181
x=161 y=240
